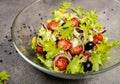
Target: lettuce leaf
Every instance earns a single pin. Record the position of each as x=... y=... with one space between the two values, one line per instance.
x=102 y=54
x=47 y=63
x=48 y=42
x=79 y=11
x=88 y=22
x=65 y=31
x=4 y=76
x=57 y=15
x=65 y=5
x=75 y=66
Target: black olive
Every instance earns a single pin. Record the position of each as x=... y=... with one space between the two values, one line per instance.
x=79 y=30
x=87 y=66
x=63 y=24
x=89 y=45
x=40 y=37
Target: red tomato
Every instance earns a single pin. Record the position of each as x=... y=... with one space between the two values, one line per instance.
x=75 y=21
x=39 y=49
x=100 y=37
x=64 y=43
x=61 y=63
x=52 y=25
x=97 y=38
x=76 y=50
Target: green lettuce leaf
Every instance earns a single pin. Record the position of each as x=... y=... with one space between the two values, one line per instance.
x=88 y=22
x=47 y=63
x=75 y=66
x=79 y=10
x=65 y=5
x=48 y=42
x=102 y=54
x=57 y=16
x=95 y=61
x=4 y=76
x=65 y=31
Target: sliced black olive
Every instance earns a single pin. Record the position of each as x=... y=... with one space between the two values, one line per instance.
x=41 y=37
x=79 y=30
x=63 y=23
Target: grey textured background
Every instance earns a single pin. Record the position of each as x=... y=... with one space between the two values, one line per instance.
x=23 y=73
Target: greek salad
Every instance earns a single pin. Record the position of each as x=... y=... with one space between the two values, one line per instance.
x=73 y=41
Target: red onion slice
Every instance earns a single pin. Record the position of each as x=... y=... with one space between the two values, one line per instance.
x=95 y=30
x=44 y=26
x=103 y=31
x=38 y=42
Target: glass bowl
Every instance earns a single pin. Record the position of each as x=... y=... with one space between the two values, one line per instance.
x=27 y=24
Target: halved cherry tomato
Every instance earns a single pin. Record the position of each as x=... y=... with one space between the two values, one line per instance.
x=61 y=63
x=95 y=40
x=52 y=25
x=75 y=21
x=98 y=38
x=76 y=50
x=39 y=49
x=64 y=43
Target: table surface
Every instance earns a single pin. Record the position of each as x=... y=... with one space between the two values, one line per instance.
x=23 y=73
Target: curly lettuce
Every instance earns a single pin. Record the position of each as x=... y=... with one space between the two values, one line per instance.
x=4 y=76
x=76 y=66
x=102 y=54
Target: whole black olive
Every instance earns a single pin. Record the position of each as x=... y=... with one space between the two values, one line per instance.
x=89 y=45
x=87 y=66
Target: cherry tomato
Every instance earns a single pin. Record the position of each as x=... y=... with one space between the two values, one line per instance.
x=61 y=63
x=64 y=43
x=76 y=50
x=98 y=38
x=52 y=25
x=75 y=21
x=39 y=49
x=95 y=40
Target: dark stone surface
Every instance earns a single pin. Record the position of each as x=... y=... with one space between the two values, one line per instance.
x=23 y=73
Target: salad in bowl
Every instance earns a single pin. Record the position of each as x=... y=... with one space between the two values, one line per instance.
x=73 y=41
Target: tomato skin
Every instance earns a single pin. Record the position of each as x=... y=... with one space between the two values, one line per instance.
x=39 y=49
x=52 y=25
x=61 y=63
x=95 y=40
x=76 y=50
x=98 y=38
x=64 y=43
x=75 y=21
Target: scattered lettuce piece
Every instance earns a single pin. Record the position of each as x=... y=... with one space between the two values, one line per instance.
x=4 y=76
